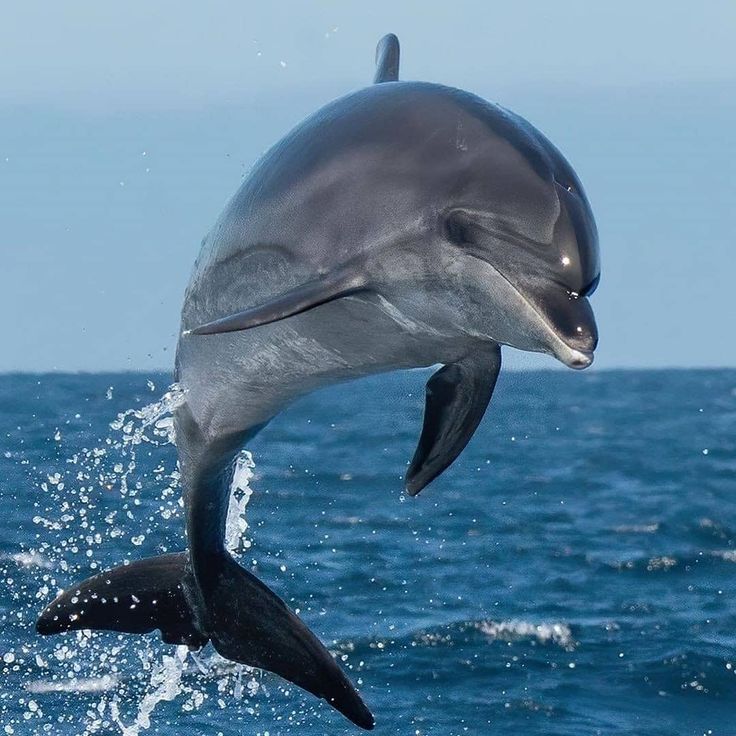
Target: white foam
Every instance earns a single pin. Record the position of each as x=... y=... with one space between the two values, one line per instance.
x=31 y=558
x=663 y=562
x=512 y=630
x=637 y=528
x=729 y=555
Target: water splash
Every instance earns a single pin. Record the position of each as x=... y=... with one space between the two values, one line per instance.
x=135 y=424
x=236 y=525
x=165 y=685
x=105 y=493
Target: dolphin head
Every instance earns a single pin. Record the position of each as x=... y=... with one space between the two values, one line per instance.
x=518 y=239
x=525 y=291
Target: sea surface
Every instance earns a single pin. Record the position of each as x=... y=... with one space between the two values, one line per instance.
x=573 y=572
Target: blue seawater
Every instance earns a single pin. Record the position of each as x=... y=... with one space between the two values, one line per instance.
x=572 y=573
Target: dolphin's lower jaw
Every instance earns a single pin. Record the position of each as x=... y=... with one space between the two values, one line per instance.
x=576 y=352
x=551 y=321
x=576 y=359
x=571 y=328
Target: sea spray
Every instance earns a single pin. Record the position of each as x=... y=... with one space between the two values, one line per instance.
x=236 y=525
x=72 y=532
x=134 y=425
x=165 y=684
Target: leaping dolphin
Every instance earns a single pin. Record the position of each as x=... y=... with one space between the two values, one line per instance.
x=404 y=225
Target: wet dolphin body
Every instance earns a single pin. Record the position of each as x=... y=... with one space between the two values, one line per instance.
x=404 y=225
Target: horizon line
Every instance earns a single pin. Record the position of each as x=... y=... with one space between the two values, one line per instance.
x=510 y=369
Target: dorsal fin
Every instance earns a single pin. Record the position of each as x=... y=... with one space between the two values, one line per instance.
x=387 y=59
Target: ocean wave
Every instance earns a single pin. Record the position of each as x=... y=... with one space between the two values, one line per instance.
x=645 y=564
x=467 y=632
x=671 y=562
x=514 y=630
x=690 y=672
x=711 y=528
x=637 y=528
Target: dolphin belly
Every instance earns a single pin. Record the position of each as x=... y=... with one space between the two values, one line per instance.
x=236 y=381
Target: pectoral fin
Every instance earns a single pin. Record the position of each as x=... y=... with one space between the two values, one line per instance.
x=295 y=301
x=457 y=397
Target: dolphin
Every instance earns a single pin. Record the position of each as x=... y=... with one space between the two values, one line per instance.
x=407 y=224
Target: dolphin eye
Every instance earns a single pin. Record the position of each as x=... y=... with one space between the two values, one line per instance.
x=457 y=231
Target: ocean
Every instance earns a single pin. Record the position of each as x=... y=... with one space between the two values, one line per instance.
x=572 y=573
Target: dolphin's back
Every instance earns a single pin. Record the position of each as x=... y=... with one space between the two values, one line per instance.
x=315 y=197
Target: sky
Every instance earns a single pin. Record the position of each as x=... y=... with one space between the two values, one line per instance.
x=125 y=127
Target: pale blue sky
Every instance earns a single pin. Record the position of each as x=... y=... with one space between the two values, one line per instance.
x=125 y=127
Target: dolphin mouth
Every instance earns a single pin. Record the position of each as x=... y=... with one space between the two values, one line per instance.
x=561 y=346
x=565 y=319
x=564 y=350
x=576 y=359
x=571 y=325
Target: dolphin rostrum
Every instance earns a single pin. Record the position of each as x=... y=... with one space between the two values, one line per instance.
x=404 y=225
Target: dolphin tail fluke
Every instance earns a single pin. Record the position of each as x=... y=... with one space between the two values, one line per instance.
x=244 y=619
x=250 y=624
x=137 y=598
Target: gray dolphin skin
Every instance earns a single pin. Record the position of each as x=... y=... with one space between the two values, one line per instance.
x=407 y=224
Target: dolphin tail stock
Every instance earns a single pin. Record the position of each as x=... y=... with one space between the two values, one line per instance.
x=245 y=621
